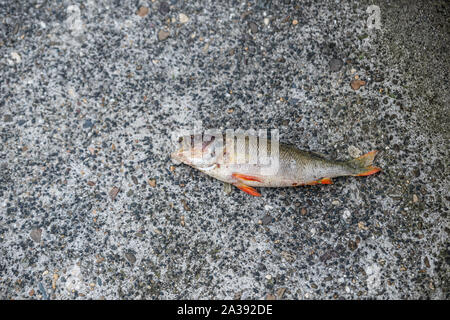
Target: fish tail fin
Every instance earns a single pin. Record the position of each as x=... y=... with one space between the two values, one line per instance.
x=362 y=166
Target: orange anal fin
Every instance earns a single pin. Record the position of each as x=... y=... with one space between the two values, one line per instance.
x=247 y=189
x=326 y=181
x=245 y=177
x=321 y=181
x=370 y=170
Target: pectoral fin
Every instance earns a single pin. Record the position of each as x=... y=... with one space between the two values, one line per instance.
x=247 y=189
x=227 y=188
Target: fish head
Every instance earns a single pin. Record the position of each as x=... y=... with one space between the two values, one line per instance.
x=199 y=151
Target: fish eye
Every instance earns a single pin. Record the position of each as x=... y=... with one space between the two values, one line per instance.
x=180 y=139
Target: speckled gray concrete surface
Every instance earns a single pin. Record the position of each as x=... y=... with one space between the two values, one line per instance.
x=90 y=93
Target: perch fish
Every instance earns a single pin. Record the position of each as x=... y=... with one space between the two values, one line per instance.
x=239 y=161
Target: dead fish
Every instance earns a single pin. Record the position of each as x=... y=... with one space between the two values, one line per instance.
x=242 y=166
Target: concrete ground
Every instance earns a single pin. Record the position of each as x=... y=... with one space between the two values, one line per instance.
x=92 y=207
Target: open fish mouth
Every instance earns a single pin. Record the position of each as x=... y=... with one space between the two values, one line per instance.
x=176 y=157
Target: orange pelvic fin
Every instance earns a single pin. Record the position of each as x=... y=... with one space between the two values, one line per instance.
x=326 y=181
x=247 y=189
x=369 y=170
x=245 y=177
